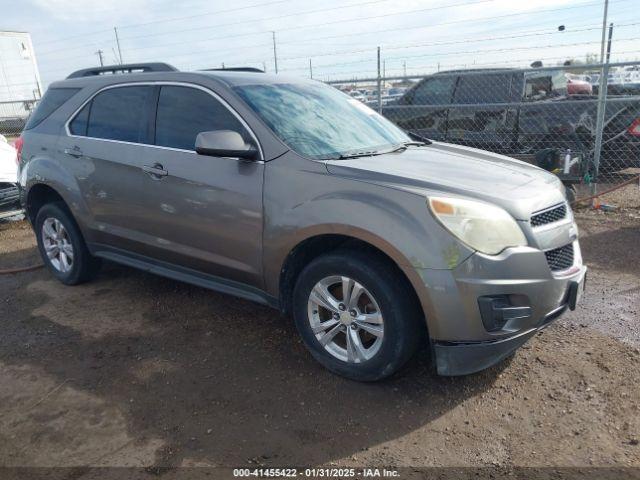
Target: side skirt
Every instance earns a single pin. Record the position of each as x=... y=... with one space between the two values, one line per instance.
x=183 y=274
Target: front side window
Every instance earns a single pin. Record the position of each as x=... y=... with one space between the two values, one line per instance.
x=184 y=112
x=434 y=91
x=483 y=88
x=319 y=121
x=120 y=114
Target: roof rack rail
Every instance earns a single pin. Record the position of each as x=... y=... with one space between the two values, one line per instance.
x=234 y=69
x=126 y=68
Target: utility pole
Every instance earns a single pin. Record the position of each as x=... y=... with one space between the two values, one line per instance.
x=604 y=29
x=310 y=69
x=275 y=53
x=404 y=68
x=99 y=53
x=384 y=69
x=602 y=98
x=264 y=67
x=609 y=42
x=118 y=43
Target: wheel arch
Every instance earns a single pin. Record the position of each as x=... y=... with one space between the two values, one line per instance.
x=317 y=243
x=38 y=195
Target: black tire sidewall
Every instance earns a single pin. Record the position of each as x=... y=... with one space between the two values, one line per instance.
x=396 y=304
x=54 y=210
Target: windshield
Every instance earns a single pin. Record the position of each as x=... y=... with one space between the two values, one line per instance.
x=319 y=121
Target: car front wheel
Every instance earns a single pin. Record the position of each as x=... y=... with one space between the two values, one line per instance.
x=357 y=315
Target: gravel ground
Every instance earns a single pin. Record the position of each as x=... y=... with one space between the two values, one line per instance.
x=136 y=370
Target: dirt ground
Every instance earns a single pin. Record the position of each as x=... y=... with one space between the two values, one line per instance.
x=137 y=370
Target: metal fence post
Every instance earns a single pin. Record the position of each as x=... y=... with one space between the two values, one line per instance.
x=379 y=84
x=602 y=104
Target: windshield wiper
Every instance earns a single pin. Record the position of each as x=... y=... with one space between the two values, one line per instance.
x=419 y=137
x=344 y=156
x=403 y=146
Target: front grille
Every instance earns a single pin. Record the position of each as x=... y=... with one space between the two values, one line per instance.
x=550 y=215
x=8 y=194
x=560 y=258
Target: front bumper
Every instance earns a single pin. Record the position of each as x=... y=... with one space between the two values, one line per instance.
x=462 y=343
x=460 y=358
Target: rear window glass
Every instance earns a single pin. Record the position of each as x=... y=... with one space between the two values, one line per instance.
x=50 y=102
x=478 y=89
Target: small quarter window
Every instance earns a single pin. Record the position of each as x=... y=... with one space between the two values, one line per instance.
x=78 y=125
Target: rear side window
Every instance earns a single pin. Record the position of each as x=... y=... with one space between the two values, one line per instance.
x=184 y=112
x=119 y=114
x=434 y=91
x=478 y=89
x=50 y=102
x=544 y=85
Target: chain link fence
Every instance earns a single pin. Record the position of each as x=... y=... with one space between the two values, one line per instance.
x=14 y=115
x=581 y=122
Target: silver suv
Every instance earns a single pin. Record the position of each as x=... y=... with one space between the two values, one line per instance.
x=289 y=193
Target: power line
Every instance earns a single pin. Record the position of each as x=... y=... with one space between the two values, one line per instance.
x=387 y=47
x=449 y=67
x=465 y=52
x=430 y=26
x=321 y=10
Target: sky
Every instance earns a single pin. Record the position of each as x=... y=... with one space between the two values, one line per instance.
x=339 y=38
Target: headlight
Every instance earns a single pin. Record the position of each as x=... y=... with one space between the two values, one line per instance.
x=482 y=226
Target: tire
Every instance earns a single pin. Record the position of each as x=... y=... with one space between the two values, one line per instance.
x=80 y=265
x=379 y=356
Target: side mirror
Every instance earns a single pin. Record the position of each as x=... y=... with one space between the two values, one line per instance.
x=224 y=143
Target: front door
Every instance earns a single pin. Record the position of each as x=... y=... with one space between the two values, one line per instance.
x=201 y=212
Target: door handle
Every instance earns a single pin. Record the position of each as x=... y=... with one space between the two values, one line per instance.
x=156 y=170
x=74 y=152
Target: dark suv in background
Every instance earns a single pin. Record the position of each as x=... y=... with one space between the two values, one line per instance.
x=532 y=115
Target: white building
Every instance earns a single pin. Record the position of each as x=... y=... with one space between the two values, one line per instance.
x=20 y=82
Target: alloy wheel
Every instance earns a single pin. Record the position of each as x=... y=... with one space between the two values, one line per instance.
x=346 y=319
x=57 y=244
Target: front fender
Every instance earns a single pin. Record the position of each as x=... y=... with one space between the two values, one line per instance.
x=302 y=200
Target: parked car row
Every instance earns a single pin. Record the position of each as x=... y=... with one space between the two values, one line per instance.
x=370 y=97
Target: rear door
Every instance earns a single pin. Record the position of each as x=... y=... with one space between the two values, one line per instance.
x=105 y=147
x=483 y=113
x=423 y=109
x=205 y=213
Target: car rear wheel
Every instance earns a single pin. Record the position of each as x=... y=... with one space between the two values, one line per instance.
x=357 y=315
x=62 y=246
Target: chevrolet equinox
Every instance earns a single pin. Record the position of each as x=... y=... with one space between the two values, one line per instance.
x=289 y=193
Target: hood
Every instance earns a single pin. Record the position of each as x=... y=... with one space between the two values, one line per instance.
x=442 y=168
x=8 y=166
